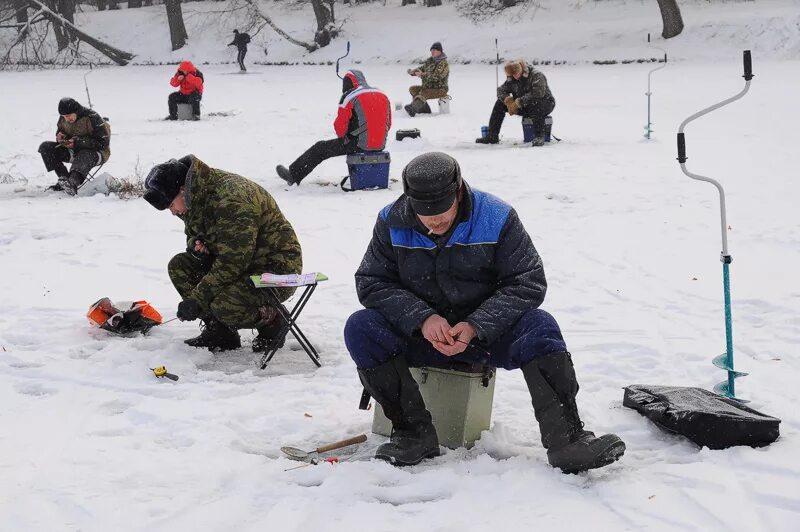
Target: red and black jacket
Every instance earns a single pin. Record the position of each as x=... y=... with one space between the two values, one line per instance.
x=364 y=113
x=192 y=79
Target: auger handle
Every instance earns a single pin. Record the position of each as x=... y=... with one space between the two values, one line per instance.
x=748 y=65
x=344 y=443
x=681 y=148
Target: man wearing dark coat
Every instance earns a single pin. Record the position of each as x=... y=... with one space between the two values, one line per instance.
x=240 y=41
x=524 y=93
x=452 y=275
x=83 y=138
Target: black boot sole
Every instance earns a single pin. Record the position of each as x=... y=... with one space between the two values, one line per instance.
x=433 y=453
x=609 y=455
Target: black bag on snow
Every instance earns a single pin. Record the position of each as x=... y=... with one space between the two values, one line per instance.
x=704 y=417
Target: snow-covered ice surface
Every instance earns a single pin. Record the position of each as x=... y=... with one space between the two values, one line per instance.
x=90 y=440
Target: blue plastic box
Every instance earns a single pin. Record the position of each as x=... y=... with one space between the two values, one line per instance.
x=369 y=170
x=528 y=130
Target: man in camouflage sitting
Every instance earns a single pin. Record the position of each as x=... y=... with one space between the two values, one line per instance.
x=434 y=73
x=234 y=229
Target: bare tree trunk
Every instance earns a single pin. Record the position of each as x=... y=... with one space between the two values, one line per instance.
x=268 y=20
x=325 y=28
x=177 y=29
x=671 y=16
x=132 y=4
x=102 y=5
x=66 y=10
x=120 y=57
x=22 y=14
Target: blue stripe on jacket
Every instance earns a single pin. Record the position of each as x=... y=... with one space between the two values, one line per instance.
x=486 y=221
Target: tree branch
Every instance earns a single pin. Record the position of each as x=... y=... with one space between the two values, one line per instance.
x=268 y=20
x=120 y=57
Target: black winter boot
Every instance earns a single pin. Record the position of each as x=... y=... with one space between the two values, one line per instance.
x=553 y=387
x=215 y=336
x=71 y=184
x=270 y=334
x=488 y=139
x=413 y=436
x=538 y=133
x=410 y=110
x=286 y=175
x=421 y=106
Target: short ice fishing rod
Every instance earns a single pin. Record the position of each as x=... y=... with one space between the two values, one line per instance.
x=86 y=85
x=725 y=360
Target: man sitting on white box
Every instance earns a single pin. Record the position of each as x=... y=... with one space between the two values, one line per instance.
x=450 y=267
x=362 y=124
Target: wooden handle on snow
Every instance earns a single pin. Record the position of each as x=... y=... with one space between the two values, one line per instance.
x=344 y=443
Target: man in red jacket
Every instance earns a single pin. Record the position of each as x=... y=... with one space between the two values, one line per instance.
x=189 y=81
x=362 y=124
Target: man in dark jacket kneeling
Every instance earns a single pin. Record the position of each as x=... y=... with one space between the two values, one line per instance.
x=448 y=269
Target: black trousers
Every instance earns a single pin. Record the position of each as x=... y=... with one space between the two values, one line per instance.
x=324 y=149
x=177 y=97
x=240 y=57
x=537 y=111
x=55 y=155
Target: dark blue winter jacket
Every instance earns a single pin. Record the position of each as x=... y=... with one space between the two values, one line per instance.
x=487 y=273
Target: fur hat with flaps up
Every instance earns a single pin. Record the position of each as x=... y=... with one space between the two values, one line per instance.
x=515 y=68
x=164 y=182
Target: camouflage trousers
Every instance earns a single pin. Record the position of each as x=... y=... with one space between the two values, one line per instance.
x=417 y=92
x=238 y=305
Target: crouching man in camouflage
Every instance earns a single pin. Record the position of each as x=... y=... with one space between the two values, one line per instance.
x=434 y=73
x=234 y=229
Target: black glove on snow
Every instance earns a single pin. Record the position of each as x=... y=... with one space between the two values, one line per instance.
x=188 y=310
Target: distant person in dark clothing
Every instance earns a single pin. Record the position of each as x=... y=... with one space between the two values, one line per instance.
x=240 y=41
x=190 y=82
x=82 y=138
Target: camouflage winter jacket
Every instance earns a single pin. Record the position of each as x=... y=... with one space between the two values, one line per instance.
x=528 y=88
x=90 y=132
x=437 y=71
x=241 y=225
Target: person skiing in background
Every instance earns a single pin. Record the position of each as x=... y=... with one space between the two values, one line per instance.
x=525 y=93
x=83 y=138
x=449 y=267
x=362 y=124
x=234 y=229
x=190 y=83
x=240 y=41
x=434 y=73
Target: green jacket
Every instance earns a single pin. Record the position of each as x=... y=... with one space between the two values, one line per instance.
x=240 y=224
x=437 y=71
x=530 y=87
x=90 y=132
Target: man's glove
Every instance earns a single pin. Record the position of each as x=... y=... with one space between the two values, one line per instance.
x=512 y=105
x=188 y=310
